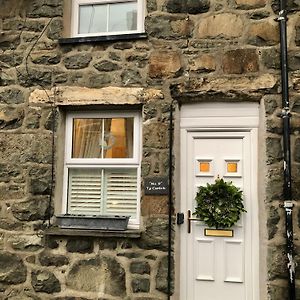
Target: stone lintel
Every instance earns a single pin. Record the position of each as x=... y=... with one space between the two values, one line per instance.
x=224 y=89
x=66 y=96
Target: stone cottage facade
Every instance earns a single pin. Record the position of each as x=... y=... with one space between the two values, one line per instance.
x=184 y=52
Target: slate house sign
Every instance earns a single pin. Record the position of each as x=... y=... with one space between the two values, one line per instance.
x=156 y=186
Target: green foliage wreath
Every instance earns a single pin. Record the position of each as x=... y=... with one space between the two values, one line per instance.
x=220 y=204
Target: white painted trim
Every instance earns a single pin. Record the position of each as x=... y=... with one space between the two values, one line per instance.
x=75 y=17
x=134 y=162
x=228 y=119
x=219 y=115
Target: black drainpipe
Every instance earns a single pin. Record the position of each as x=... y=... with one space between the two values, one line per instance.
x=287 y=187
x=169 y=279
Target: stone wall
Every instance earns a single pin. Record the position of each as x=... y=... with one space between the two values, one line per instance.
x=215 y=50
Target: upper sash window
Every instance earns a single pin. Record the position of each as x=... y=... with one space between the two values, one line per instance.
x=107 y=17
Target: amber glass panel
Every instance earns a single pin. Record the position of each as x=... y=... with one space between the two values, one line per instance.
x=102 y=138
x=118 y=138
x=204 y=166
x=232 y=167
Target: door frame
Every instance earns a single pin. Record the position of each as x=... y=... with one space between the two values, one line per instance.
x=218 y=117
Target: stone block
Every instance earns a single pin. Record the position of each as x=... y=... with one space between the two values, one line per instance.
x=224 y=25
x=82 y=245
x=277 y=262
x=11 y=118
x=48 y=259
x=11 y=191
x=250 y=4
x=103 y=274
x=29 y=243
x=131 y=76
x=162 y=275
x=151 y=5
x=277 y=292
x=139 y=60
x=1 y=241
x=32 y=210
x=155 y=235
x=156 y=135
x=274 y=150
x=11 y=59
x=122 y=45
x=271 y=103
x=43 y=8
x=164 y=64
x=13 y=270
x=11 y=225
x=240 y=61
x=263 y=33
x=11 y=96
x=140 y=285
x=169 y=27
x=45 y=281
x=106 y=66
x=9 y=172
x=45 y=57
x=203 y=63
x=55 y=29
x=272 y=221
x=34 y=76
x=32 y=119
x=140 y=267
x=77 y=61
x=22 y=148
x=154 y=205
x=108 y=244
x=187 y=6
x=271 y=58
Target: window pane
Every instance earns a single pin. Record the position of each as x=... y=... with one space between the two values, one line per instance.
x=87 y=138
x=122 y=16
x=84 y=191
x=92 y=18
x=102 y=138
x=118 y=138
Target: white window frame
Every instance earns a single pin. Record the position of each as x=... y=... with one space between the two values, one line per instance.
x=104 y=163
x=75 y=17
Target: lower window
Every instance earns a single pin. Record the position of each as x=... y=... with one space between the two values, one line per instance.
x=102 y=165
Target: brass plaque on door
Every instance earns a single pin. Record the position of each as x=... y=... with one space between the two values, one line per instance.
x=218 y=232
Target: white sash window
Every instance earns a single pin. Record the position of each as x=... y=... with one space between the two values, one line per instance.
x=107 y=17
x=102 y=164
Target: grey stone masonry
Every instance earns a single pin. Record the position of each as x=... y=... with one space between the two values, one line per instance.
x=209 y=50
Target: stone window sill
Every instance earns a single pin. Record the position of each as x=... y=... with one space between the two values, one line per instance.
x=108 y=38
x=130 y=233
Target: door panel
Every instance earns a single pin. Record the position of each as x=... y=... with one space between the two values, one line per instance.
x=216 y=268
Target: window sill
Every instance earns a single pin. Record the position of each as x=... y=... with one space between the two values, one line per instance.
x=107 y=38
x=130 y=233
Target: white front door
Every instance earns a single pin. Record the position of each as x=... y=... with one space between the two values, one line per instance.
x=218 y=268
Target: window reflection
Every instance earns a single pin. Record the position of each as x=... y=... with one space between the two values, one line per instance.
x=102 y=138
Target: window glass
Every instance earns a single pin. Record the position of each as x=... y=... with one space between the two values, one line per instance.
x=122 y=16
x=92 y=18
x=102 y=138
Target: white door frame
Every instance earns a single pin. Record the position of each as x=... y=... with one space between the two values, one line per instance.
x=233 y=117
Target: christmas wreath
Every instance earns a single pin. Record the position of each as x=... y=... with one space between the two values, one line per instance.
x=220 y=204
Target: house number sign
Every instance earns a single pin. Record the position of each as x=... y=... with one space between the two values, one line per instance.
x=156 y=186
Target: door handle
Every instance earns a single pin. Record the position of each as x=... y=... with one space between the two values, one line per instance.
x=190 y=219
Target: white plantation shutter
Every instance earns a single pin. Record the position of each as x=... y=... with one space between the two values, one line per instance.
x=121 y=192
x=85 y=187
